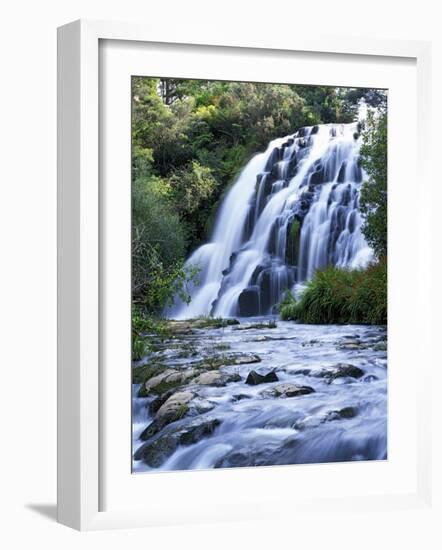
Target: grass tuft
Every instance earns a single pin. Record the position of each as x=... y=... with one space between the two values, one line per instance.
x=340 y=296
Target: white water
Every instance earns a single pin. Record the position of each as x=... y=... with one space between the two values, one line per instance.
x=256 y=429
x=311 y=178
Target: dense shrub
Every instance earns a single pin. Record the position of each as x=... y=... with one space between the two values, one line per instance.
x=341 y=296
x=373 y=199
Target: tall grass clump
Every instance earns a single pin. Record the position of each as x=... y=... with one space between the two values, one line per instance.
x=340 y=296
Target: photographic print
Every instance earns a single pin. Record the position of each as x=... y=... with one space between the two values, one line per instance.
x=259 y=274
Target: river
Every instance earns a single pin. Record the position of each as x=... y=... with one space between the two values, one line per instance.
x=232 y=423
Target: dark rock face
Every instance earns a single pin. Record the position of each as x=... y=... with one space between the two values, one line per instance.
x=317 y=177
x=197 y=431
x=248 y=302
x=341 y=174
x=254 y=378
x=154 y=427
x=156 y=452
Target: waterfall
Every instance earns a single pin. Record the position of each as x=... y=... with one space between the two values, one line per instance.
x=294 y=209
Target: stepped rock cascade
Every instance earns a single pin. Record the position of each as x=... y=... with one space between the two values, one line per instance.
x=294 y=209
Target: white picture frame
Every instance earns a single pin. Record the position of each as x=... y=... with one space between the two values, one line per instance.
x=80 y=434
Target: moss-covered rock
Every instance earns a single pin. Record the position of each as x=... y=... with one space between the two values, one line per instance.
x=189 y=325
x=293 y=241
x=144 y=372
x=257 y=326
x=173 y=409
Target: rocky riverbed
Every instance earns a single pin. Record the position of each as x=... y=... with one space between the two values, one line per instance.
x=258 y=392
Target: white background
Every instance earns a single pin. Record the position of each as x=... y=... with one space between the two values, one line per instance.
x=28 y=275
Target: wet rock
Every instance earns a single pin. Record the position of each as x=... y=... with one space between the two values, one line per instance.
x=342 y=370
x=351 y=345
x=159 y=379
x=314 y=421
x=248 y=302
x=341 y=174
x=155 y=453
x=310 y=343
x=180 y=327
x=382 y=346
x=254 y=378
x=289 y=390
x=240 y=397
x=141 y=373
x=303 y=371
x=370 y=378
x=197 y=431
x=258 y=326
x=215 y=378
x=345 y=413
x=174 y=408
x=246 y=359
x=160 y=400
x=169 y=379
x=317 y=177
x=198 y=405
x=188 y=326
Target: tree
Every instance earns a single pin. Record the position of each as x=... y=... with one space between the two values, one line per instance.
x=373 y=198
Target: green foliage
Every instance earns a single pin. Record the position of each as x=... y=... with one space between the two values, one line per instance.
x=373 y=198
x=294 y=229
x=147 y=330
x=201 y=133
x=158 y=246
x=287 y=307
x=341 y=296
x=192 y=188
x=190 y=139
x=139 y=347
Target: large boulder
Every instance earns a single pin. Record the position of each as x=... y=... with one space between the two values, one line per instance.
x=155 y=452
x=170 y=378
x=173 y=409
x=254 y=378
x=342 y=370
x=248 y=302
x=215 y=378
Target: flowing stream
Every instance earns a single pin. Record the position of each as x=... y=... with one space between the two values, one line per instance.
x=344 y=419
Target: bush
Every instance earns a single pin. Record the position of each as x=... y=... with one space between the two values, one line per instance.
x=287 y=307
x=340 y=296
x=373 y=198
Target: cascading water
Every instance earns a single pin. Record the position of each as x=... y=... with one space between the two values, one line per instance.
x=293 y=210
